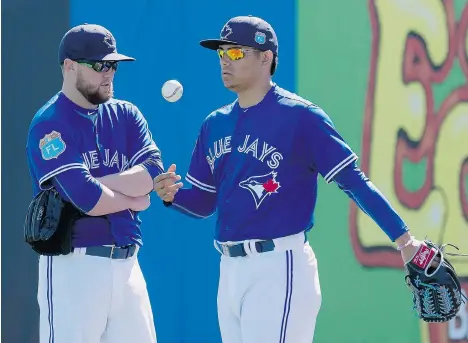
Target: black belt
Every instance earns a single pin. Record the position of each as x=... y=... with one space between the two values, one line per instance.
x=238 y=250
x=119 y=253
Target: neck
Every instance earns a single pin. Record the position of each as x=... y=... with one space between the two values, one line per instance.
x=253 y=95
x=75 y=96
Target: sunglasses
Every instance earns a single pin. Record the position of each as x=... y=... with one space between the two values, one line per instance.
x=100 y=66
x=234 y=54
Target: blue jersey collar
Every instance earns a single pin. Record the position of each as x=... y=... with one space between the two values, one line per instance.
x=269 y=95
x=84 y=112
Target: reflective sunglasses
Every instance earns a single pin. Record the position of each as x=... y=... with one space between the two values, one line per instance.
x=233 y=54
x=100 y=66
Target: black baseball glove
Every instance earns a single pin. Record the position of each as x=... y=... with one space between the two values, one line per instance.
x=48 y=224
x=437 y=295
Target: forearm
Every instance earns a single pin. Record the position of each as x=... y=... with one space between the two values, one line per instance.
x=132 y=182
x=88 y=195
x=372 y=202
x=138 y=180
x=111 y=202
x=194 y=202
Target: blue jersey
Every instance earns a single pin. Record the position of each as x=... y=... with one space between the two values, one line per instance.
x=262 y=163
x=68 y=141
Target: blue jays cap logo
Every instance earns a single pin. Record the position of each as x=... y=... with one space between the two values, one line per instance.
x=109 y=41
x=226 y=32
x=260 y=37
x=261 y=186
x=52 y=145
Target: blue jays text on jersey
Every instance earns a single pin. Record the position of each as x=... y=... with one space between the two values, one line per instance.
x=71 y=146
x=258 y=168
x=222 y=147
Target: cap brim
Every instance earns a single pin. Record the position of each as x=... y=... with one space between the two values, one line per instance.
x=214 y=44
x=117 y=57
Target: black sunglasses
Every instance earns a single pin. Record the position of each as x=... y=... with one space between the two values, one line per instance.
x=100 y=66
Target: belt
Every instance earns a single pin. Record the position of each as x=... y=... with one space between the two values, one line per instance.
x=238 y=250
x=119 y=253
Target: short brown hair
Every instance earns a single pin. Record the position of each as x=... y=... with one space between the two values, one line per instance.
x=274 y=64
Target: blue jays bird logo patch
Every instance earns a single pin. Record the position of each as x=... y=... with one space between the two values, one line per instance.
x=109 y=40
x=226 y=32
x=261 y=186
x=52 y=145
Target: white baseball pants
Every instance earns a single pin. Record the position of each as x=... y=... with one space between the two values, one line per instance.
x=90 y=299
x=270 y=297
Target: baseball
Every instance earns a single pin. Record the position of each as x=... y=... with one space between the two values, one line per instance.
x=172 y=90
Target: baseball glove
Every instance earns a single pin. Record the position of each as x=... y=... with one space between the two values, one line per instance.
x=437 y=295
x=48 y=224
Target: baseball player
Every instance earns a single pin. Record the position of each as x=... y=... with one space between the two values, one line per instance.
x=256 y=162
x=99 y=154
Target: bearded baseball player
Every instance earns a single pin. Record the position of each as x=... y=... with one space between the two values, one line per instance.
x=98 y=153
x=256 y=163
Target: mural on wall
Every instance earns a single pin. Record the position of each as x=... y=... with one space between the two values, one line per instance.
x=415 y=135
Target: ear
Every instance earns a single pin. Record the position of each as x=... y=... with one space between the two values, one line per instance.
x=68 y=65
x=267 y=58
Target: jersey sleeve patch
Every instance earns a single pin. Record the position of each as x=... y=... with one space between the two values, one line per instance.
x=52 y=145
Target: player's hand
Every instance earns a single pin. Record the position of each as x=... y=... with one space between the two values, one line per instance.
x=410 y=251
x=165 y=184
x=140 y=203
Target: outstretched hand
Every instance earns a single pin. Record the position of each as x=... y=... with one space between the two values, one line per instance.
x=409 y=252
x=165 y=184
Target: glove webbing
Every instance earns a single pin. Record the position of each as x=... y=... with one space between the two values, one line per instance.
x=442 y=247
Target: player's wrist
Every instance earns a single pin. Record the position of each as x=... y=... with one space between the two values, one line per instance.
x=404 y=240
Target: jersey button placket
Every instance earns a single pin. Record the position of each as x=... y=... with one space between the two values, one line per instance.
x=226 y=201
x=238 y=138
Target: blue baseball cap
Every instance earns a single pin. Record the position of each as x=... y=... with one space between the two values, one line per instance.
x=90 y=42
x=248 y=31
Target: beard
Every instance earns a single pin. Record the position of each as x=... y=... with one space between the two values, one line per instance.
x=96 y=95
